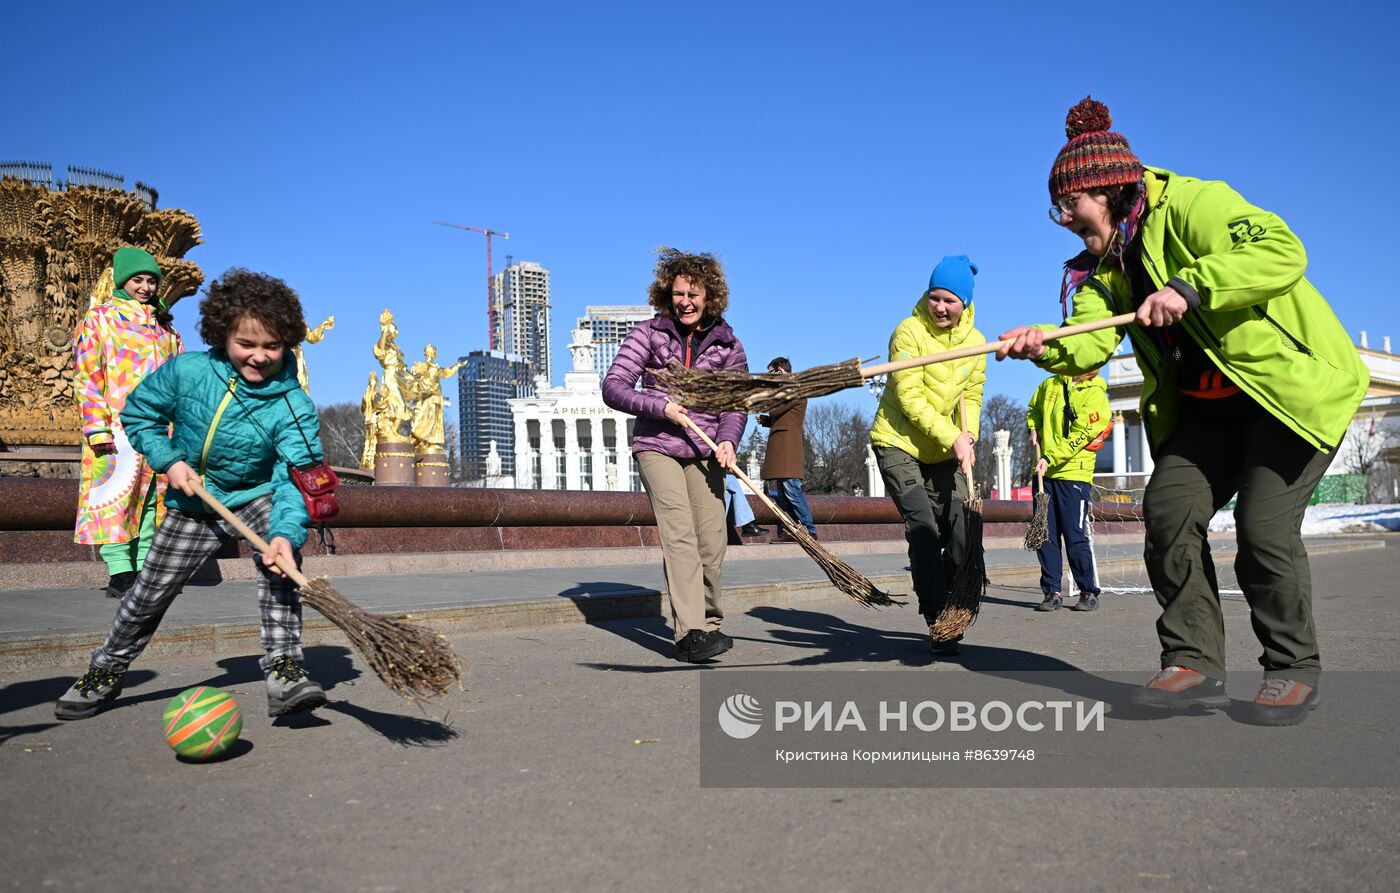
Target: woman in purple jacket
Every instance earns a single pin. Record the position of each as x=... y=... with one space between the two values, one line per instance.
x=684 y=479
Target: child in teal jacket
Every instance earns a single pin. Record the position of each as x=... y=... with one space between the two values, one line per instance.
x=233 y=417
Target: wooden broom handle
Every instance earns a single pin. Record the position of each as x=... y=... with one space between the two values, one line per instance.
x=737 y=473
x=962 y=420
x=1035 y=439
x=287 y=567
x=959 y=353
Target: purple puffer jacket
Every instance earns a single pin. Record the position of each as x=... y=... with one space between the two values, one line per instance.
x=653 y=345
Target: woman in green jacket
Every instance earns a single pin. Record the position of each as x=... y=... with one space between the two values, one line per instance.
x=1249 y=383
x=923 y=446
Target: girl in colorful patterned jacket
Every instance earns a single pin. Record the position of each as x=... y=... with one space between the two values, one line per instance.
x=234 y=418
x=684 y=479
x=118 y=343
x=1249 y=384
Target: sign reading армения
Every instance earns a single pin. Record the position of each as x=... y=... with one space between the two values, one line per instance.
x=806 y=728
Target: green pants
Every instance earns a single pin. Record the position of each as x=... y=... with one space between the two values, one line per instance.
x=1210 y=458
x=130 y=555
x=930 y=500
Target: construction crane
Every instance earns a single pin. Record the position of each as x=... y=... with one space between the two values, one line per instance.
x=491 y=342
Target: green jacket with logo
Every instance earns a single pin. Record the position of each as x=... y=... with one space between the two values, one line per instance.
x=1070 y=456
x=1262 y=324
x=918 y=409
x=198 y=410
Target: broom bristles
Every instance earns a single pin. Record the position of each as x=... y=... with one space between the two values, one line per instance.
x=730 y=390
x=1038 y=531
x=842 y=575
x=413 y=661
x=969 y=582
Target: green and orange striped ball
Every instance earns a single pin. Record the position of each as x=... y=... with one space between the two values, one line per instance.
x=202 y=722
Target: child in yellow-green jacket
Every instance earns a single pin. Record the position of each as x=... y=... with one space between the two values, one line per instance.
x=1069 y=420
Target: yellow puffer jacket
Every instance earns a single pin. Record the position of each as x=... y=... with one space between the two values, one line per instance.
x=918 y=410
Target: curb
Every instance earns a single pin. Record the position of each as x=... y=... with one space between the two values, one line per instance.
x=72 y=650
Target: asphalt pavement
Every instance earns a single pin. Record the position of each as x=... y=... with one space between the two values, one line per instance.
x=571 y=762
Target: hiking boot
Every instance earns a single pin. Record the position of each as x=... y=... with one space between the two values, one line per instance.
x=97 y=687
x=1180 y=688
x=752 y=529
x=1282 y=702
x=290 y=690
x=697 y=646
x=1052 y=602
x=1088 y=601
x=120 y=584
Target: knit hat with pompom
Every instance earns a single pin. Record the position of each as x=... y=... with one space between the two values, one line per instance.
x=1094 y=156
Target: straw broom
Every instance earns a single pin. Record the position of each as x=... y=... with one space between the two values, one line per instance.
x=842 y=575
x=969 y=581
x=413 y=661
x=731 y=390
x=1038 y=531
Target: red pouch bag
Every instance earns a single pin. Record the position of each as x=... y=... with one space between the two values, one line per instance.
x=317 y=483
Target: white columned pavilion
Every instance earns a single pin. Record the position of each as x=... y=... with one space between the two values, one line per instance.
x=573 y=423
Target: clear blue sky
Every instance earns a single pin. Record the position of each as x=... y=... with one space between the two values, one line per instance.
x=829 y=153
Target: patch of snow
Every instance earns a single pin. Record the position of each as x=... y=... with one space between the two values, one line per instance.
x=1321 y=520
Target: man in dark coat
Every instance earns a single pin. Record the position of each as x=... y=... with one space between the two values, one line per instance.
x=783 y=461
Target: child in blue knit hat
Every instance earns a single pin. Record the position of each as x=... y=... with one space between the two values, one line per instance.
x=923 y=444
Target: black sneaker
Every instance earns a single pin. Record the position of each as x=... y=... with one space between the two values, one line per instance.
x=1282 y=702
x=752 y=529
x=1088 y=601
x=120 y=584
x=724 y=642
x=290 y=690
x=1180 y=688
x=698 y=646
x=96 y=688
x=1052 y=602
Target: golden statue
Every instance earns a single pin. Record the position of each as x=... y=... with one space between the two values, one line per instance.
x=392 y=409
x=313 y=336
x=425 y=387
x=369 y=408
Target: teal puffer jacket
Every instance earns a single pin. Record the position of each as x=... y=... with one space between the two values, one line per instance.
x=224 y=428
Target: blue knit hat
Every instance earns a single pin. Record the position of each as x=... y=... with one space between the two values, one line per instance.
x=954 y=273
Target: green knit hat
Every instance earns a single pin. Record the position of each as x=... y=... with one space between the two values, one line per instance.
x=127 y=262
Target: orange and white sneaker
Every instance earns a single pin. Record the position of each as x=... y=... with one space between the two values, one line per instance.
x=1180 y=688
x=1282 y=702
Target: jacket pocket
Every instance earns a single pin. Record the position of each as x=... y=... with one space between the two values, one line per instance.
x=1284 y=335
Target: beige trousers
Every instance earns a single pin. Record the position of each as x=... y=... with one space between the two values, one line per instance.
x=687 y=496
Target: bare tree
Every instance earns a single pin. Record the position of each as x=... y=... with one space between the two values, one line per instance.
x=342 y=433
x=1003 y=413
x=456 y=472
x=835 y=437
x=1365 y=443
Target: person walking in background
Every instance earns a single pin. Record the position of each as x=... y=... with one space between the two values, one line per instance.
x=784 y=465
x=682 y=476
x=1249 y=384
x=1069 y=420
x=117 y=344
x=922 y=444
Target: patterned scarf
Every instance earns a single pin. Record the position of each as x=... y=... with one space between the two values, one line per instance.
x=1079 y=268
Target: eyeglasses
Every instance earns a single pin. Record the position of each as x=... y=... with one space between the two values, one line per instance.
x=1065 y=204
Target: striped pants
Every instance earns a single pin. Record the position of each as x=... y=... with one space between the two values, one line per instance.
x=183 y=543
